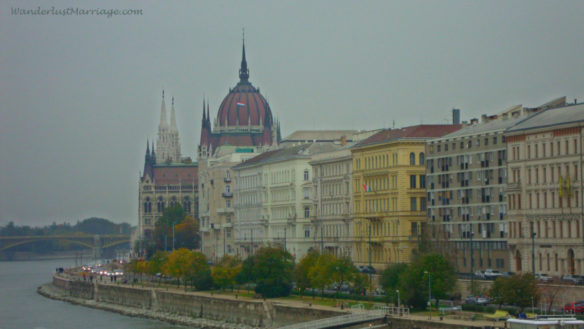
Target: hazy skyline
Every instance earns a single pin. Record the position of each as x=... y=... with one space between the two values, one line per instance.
x=80 y=95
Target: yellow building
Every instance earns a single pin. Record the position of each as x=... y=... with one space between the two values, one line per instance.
x=389 y=193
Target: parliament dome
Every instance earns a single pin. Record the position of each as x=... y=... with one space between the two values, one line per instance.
x=244 y=105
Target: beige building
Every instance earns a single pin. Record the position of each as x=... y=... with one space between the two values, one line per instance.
x=546 y=230
x=217 y=212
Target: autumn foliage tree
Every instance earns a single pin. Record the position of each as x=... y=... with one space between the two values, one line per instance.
x=225 y=272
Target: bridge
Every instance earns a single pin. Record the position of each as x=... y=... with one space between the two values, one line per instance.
x=95 y=242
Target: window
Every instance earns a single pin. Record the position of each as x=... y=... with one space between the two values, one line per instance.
x=422 y=158
x=307 y=193
x=495 y=140
x=422 y=204
x=412 y=159
x=486 y=141
x=422 y=181
x=227 y=203
x=413 y=204
x=227 y=188
x=306 y=232
x=306 y=175
x=412 y=181
x=306 y=212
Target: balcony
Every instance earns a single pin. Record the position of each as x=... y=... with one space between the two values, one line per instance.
x=225 y=210
x=227 y=179
x=227 y=194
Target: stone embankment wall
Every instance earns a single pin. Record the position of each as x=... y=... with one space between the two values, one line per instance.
x=255 y=313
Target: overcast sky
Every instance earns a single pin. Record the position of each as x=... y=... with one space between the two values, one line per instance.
x=79 y=95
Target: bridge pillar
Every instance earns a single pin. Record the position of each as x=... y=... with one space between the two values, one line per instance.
x=96 y=246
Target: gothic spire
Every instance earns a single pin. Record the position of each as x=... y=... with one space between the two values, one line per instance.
x=243 y=71
x=172 y=117
x=208 y=116
x=163 y=123
x=147 y=147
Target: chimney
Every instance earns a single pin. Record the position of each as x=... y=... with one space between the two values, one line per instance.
x=456 y=116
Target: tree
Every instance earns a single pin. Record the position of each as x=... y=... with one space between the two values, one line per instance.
x=519 y=290
x=225 y=272
x=389 y=279
x=302 y=270
x=187 y=233
x=413 y=282
x=247 y=271
x=199 y=273
x=273 y=272
x=179 y=264
x=163 y=227
x=342 y=270
x=320 y=273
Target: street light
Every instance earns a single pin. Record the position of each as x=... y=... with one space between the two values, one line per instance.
x=397 y=300
x=533 y=234
x=429 y=294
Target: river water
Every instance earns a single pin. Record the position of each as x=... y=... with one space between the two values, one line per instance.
x=22 y=308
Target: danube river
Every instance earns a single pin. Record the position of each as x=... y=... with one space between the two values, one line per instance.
x=22 y=308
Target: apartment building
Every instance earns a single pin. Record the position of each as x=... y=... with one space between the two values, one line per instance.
x=546 y=232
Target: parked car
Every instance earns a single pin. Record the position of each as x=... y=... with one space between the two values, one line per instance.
x=366 y=269
x=541 y=277
x=507 y=274
x=491 y=274
x=479 y=275
x=479 y=300
x=576 y=279
x=577 y=307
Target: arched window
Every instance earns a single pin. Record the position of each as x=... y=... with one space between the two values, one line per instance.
x=147 y=206
x=160 y=204
x=187 y=204
x=173 y=201
x=412 y=159
x=421 y=158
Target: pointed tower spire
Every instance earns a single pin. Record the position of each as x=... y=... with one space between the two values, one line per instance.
x=153 y=155
x=163 y=123
x=208 y=116
x=243 y=71
x=172 y=117
x=204 y=123
x=147 y=147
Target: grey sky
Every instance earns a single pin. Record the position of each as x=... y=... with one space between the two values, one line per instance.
x=79 y=95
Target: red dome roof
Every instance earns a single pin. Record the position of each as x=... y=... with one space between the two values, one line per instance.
x=244 y=105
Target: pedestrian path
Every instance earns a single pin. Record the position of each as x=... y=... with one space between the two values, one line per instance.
x=335 y=321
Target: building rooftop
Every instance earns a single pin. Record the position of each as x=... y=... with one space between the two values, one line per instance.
x=411 y=132
x=304 y=151
x=319 y=135
x=552 y=117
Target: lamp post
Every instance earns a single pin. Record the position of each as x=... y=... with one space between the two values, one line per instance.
x=397 y=299
x=533 y=234
x=429 y=294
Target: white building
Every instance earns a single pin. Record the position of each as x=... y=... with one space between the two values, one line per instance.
x=273 y=202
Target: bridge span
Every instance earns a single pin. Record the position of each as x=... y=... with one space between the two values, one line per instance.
x=95 y=242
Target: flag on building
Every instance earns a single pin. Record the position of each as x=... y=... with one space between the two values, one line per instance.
x=367 y=188
x=240 y=104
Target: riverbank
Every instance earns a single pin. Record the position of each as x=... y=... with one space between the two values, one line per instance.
x=195 y=309
x=50 y=291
